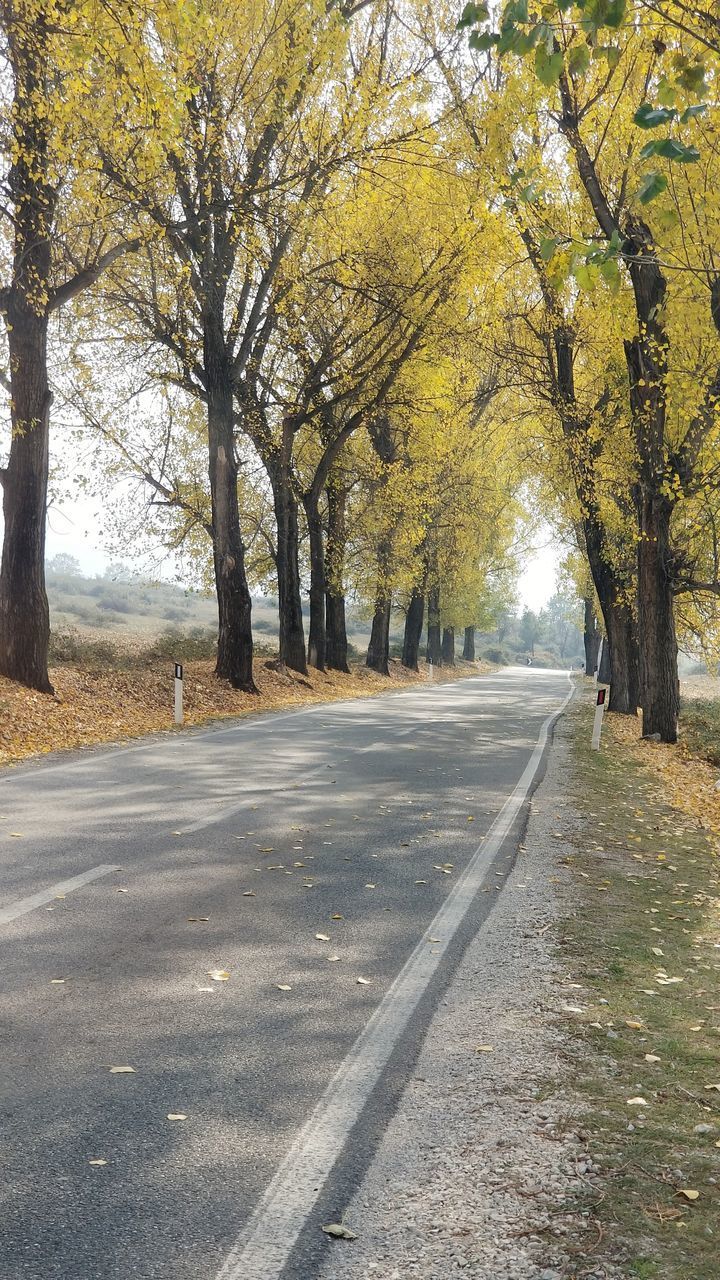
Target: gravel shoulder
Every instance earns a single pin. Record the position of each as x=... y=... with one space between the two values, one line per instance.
x=484 y=1154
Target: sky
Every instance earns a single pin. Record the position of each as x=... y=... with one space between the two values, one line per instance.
x=74 y=527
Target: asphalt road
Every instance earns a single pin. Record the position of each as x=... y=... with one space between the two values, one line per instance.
x=234 y=848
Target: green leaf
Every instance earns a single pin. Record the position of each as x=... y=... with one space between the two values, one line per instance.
x=692 y=76
x=547 y=249
x=483 y=40
x=666 y=93
x=586 y=276
x=651 y=186
x=472 y=15
x=615 y=13
x=647 y=117
x=668 y=219
x=548 y=67
x=690 y=112
x=670 y=149
x=515 y=11
x=609 y=52
x=526 y=43
x=610 y=272
x=579 y=59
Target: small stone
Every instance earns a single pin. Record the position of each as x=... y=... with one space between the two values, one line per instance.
x=704 y=1128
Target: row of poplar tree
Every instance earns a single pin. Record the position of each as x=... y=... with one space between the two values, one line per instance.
x=342 y=291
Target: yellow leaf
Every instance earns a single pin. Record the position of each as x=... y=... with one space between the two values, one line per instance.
x=338 y=1231
x=652 y=1057
x=364 y=982
x=484 y=1048
x=637 y=1102
x=122 y=1071
x=176 y=1116
x=97 y=1162
x=282 y=986
x=218 y=975
x=635 y=1026
x=688 y=1194
x=322 y=937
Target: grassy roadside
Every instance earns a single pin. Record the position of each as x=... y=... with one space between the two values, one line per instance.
x=113 y=700
x=643 y=941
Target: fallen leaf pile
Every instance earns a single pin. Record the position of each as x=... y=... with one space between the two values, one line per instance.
x=687 y=782
x=106 y=705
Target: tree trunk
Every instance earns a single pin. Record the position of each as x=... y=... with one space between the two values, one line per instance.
x=469 y=645
x=591 y=636
x=235 y=642
x=433 y=653
x=659 y=683
x=618 y=619
x=336 y=645
x=292 y=635
x=378 y=654
x=24 y=613
x=448 y=647
x=317 y=641
x=413 y=629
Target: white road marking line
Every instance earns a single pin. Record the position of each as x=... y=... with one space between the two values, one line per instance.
x=23 y=905
x=263 y=1247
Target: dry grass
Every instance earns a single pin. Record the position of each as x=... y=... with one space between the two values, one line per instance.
x=93 y=704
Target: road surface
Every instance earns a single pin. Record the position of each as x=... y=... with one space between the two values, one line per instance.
x=302 y=850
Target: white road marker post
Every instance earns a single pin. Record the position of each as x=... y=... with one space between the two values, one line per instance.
x=178 y=693
x=600 y=704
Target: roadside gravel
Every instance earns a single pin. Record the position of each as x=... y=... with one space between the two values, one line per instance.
x=479 y=1171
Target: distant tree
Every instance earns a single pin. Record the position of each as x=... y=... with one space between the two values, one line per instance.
x=530 y=630
x=64 y=564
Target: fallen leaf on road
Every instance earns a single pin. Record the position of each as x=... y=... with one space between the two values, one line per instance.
x=282 y=986
x=364 y=982
x=249 y=893
x=122 y=1071
x=369 y=886
x=16 y=835
x=176 y=1116
x=688 y=1194
x=338 y=1231
x=421 y=881
x=322 y=937
x=484 y=1048
x=56 y=982
x=635 y=1026
x=218 y=975
x=337 y=917
x=332 y=959
x=97 y=1162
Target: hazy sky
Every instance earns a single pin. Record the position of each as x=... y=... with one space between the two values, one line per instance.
x=74 y=528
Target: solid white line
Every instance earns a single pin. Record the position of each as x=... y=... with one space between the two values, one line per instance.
x=23 y=905
x=265 y=1244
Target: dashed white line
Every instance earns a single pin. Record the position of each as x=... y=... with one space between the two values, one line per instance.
x=23 y=905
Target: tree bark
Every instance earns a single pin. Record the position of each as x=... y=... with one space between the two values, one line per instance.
x=413 y=629
x=378 y=654
x=336 y=655
x=24 y=612
x=317 y=637
x=292 y=634
x=469 y=645
x=591 y=636
x=433 y=652
x=235 y=642
x=659 y=682
x=448 y=647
